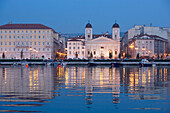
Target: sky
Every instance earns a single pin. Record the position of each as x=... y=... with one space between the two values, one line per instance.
x=71 y=16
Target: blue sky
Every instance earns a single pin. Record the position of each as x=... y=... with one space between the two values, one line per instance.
x=71 y=16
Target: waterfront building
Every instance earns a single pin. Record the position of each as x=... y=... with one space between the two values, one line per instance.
x=97 y=46
x=75 y=48
x=148 y=46
x=157 y=33
x=28 y=41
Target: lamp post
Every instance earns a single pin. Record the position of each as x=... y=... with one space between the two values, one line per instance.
x=30 y=52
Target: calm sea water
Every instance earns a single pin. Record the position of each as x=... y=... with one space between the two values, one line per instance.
x=78 y=89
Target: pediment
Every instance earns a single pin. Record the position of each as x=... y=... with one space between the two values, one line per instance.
x=102 y=39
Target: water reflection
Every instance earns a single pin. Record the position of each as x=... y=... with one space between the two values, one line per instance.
x=38 y=86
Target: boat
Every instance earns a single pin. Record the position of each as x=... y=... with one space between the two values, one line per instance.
x=145 y=62
x=91 y=63
x=116 y=64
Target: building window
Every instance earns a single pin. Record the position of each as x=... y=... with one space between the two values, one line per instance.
x=69 y=47
x=39 y=43
x=69 y=43
x=82 y=52
x=18 y=37
x=150 y=41
x=30 y=37
x=18 y=31
x=73 y=47
x=43 y=43
x=26 y=31
x=14 y=49
x=9 y=43
x=39 y=31
x=138 y=42
x=18 y=43
x=1 y=37
x=5 y=43
x=47 y=49
x=43 y=49
x=34 y=31
x=22 y=37
x=18 y=49
x=48 y=37
x=34 y=37
x=78 y=43
x=115 y=52
x=82 y=47
x=30 y=31
x=47 y=43
x=13 y=31
x=13 y=43
x=9 y=31
x=5 y=37
x=1 y=43
x=5 y=31
x=30 y=43
x=115 y=36
x=78 y=47
x=9 y=37
x=47 y=31
x=147 y=42
x=88 y=52
x=69 y=52
x=94 y=52
x=39 y=37
x=73 y=43
x=13 y=37
x=43 y=37
x=34 y=43
x=9 y=49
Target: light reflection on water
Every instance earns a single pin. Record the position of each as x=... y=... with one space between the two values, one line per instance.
x=76 y=88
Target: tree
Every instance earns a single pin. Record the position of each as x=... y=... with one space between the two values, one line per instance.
x=137 y=56
x=91 y=55
x=21 y=54
x=76 y=55
x=119 y=55
x=3 y=55
x=57 y=55
x=110 y=55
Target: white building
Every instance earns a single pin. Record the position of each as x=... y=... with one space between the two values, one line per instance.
x=34 y=41
x=95 y=46
x=104 y=45
x=75 y=48
x=158 y=32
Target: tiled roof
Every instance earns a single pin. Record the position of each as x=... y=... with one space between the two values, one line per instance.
x=99 y=35
x=24 y=26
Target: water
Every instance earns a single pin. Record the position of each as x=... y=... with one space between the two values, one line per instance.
x=84 y=90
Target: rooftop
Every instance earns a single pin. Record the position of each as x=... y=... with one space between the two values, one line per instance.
x=24 y=26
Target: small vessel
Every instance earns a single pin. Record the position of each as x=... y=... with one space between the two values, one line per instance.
x=145 y=62
x=115 y=64
x=91 y=63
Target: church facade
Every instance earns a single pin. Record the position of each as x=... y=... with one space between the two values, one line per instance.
x=95 y=46
x=103 y=46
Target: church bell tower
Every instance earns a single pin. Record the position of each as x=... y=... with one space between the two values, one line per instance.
x=116 y=31
x=88 y=32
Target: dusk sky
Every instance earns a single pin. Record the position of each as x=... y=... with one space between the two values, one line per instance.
x=71 y=16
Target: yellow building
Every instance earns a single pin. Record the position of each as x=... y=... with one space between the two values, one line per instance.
x=28 y=41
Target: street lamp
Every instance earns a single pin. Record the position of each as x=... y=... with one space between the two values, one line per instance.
x=30 y=52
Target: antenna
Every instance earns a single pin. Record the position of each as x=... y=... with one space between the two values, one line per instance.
x=88 y=21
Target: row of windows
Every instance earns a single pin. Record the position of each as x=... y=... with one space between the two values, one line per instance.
x=77 y=52
x=26 y=37
x=74 y=43
x=24 y=49
x=144 y=42
x=75 y=47
x=14 y=31
x=24 y=43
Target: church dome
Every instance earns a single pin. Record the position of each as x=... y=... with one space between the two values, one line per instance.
x=88 y=25
x=115 y=25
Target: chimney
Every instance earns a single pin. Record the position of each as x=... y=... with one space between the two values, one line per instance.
x=150 y=24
